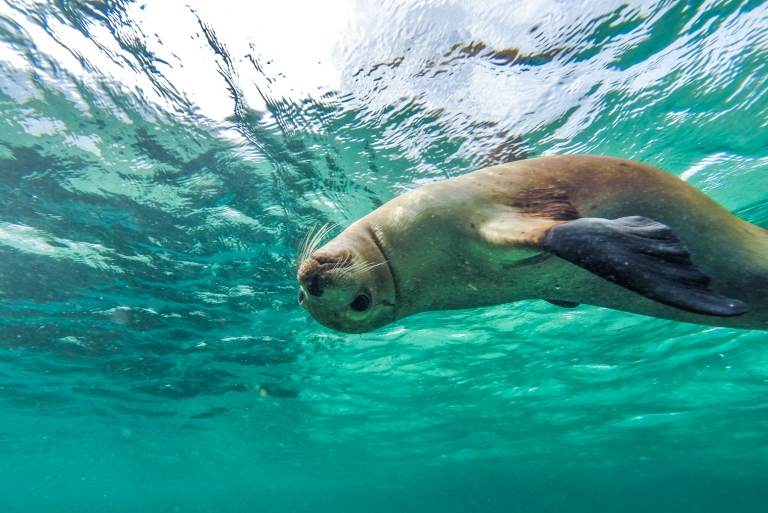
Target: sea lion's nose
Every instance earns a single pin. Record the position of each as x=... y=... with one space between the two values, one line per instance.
x=313 y=273
x=314 y=286
x=309 y=277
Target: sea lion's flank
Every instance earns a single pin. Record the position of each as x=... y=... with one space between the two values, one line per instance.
x=567 y=229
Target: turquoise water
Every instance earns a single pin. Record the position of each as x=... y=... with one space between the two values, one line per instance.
x=161 y=162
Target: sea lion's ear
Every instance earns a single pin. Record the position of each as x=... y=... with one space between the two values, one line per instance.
x=643 y=256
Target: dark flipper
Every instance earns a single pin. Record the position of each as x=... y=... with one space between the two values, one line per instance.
x=562 y=304
x=643 y=256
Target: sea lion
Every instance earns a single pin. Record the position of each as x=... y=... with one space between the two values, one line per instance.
x=567 y=229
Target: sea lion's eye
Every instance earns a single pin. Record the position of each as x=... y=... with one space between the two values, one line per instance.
x=361 y=303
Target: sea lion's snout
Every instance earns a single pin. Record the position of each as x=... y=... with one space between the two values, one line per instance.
x=314 y=275
x=347 y=285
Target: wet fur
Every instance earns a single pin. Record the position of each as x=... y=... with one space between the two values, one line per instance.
x=476 y=240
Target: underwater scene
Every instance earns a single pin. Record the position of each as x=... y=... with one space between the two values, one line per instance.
x=162 y=163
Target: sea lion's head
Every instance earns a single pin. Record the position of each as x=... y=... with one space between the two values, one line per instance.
x=347 y=285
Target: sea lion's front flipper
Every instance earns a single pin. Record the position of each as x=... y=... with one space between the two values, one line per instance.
x=644 y=256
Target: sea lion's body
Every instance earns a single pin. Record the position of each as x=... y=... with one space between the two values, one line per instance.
x=484 y=239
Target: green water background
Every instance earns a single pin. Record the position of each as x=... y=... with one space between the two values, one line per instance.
x=153 y=356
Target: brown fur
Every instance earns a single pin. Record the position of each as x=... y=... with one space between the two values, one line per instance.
x=475 y=240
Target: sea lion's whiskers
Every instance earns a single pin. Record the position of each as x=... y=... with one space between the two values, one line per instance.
x=304 y=245
x=368 y=267
x=340 y=265
x=356 y=269
x=312 y=240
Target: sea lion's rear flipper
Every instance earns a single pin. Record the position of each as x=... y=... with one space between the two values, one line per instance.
x=643 y=256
